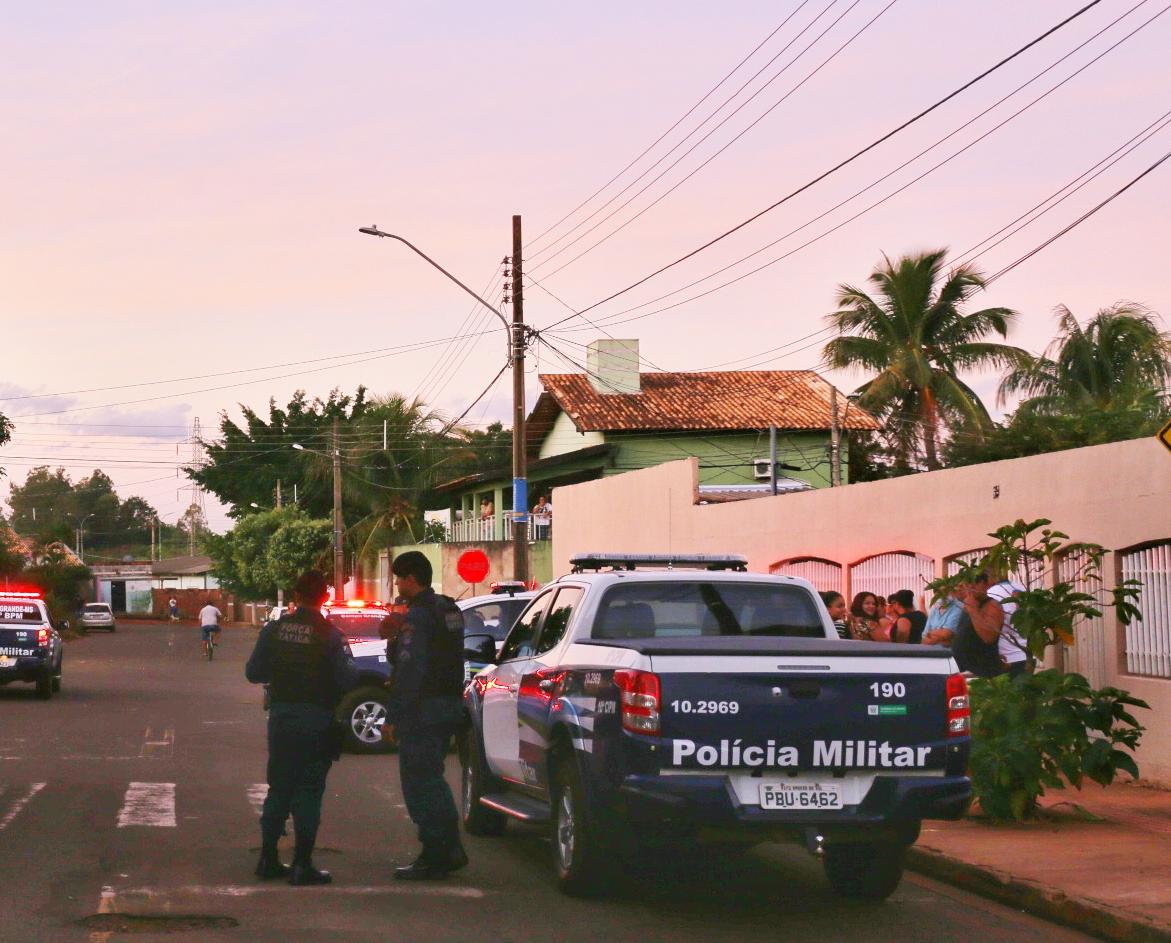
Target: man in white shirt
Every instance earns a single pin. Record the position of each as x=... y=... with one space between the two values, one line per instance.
x=1011 y=645
x=542 y=518
x=209 y=621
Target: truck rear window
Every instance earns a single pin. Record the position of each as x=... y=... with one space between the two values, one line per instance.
x=681 y=610
x=17 y=613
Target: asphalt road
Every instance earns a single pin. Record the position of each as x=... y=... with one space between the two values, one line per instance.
x=148 y=734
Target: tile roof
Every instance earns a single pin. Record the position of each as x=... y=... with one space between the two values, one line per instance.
x=736 y=399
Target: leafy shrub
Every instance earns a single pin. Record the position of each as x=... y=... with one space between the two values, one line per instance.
x=1042 y=730
x=1047 y=728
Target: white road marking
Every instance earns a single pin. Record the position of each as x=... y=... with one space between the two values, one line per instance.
x=252 y=890
x=18 y=806
x=257 y=793
x=150 y=804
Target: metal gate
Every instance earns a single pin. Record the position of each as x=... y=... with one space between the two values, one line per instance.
x=887 y=573
x=1087 y=656
x=1148 y=640
x=825 y=575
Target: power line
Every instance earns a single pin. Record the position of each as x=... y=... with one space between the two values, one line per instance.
x=615 y=319
x=1077 y=222
x=686 y=115
x=849 y=160
x=725 y=147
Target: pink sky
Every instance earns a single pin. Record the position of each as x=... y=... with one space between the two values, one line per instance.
x=184 y=184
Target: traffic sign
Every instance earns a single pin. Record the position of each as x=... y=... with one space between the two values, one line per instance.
x=1164 y=435
x=472 y=566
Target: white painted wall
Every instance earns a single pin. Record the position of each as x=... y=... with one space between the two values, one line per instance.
x=1117 y=495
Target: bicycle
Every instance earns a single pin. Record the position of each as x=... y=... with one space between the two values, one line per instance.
x=209 y=643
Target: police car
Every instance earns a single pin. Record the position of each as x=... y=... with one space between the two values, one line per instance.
x=363 y=710
x=30 y=646
x=644 y=696
x=491 y=616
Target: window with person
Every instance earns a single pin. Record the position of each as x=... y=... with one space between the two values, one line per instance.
x=521 y=639
x=677 y=610
x=557 y=621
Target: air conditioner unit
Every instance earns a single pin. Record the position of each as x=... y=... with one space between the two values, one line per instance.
x=761 y=470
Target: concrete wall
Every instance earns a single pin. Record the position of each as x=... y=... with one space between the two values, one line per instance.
x=1117 y=495
x=564 y=437
x=445 y=557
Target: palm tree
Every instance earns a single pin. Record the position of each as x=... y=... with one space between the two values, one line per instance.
x=913 y=334
x=1119 y=360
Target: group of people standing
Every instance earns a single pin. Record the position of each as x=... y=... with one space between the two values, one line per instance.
x=306 y=664
x=974 y=622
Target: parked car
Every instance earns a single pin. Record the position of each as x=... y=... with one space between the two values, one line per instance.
x=98 y=615
x=680 y=696
x=30 y=645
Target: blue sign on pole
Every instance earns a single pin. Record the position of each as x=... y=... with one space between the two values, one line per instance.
x=520 y=499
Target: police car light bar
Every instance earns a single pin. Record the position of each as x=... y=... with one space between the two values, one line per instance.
x=633 y=561
x=13 y=594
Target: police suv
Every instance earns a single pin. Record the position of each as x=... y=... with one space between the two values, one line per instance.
x=30 y=646
x=700 y=701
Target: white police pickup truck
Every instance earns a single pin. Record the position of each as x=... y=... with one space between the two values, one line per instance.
x=697 y=700
x=30 y=645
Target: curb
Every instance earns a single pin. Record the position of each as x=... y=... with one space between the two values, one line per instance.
x=1079 y=913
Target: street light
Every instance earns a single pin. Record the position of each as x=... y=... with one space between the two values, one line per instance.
x=518 y=336
x=81 y=536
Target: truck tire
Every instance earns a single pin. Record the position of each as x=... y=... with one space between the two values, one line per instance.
x=362 y=713
x=868 y=871
x=45 y=684
x=56 y=685
x=477 y=819
x=578 y=853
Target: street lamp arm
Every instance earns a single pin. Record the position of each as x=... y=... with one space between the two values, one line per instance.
x=375 y=231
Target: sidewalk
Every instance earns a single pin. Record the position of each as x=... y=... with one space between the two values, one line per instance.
x=1099 y=860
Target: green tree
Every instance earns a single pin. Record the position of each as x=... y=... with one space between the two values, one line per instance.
x=1120 y=361
x=59 y=580
x=43 y=508
x=915 y=336
x=268 y=550
x=296 y=546
x=1028 y=432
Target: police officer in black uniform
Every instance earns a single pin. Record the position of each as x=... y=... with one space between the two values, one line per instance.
x=307 y=665
x=426 y=709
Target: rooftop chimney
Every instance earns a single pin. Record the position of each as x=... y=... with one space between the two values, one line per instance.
x=613 y=366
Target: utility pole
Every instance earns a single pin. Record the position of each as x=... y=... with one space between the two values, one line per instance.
x=835 y=441
x=280 y=590
x=520 y=489
x=772 y=455
x=278 y=494
x=339 y=560
x=153 y=525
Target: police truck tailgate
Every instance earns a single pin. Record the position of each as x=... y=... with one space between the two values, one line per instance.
x=800 y=723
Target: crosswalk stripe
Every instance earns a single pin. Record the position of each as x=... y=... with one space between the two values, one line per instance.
x=18 y=806
x=150 y=804
x=257 y=793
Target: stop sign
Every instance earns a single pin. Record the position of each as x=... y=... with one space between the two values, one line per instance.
x=472 y=566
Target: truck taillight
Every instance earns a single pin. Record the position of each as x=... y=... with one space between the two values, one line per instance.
x=959 y=711
x=639 y=693
x=42 y=637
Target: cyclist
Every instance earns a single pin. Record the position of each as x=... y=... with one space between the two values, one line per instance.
x=209 y=623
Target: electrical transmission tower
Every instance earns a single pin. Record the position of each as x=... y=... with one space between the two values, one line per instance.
x=196 y=512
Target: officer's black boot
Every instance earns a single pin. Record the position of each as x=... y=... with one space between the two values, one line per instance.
x=304 y=874
x=269 y=865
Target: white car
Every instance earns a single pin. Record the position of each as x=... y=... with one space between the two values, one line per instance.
x=493 y=614
x=98 y=615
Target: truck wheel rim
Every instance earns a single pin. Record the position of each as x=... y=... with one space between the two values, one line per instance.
x=565 y=829
x=367 y=720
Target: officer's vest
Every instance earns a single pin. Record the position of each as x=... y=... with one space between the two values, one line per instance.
x=301 y=670
x=445 y=665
